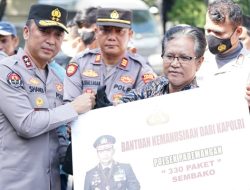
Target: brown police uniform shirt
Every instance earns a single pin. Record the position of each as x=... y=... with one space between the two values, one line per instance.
x=29 y=117
x=86 y=72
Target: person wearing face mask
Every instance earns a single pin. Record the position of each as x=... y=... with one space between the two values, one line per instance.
x=226 y=52
x=86 y=22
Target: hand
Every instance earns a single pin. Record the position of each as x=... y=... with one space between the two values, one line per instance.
x=84 y=102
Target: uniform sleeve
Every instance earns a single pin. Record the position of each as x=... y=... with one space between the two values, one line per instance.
x=132 y=182
x=146 y=75
x=72 y=82
x=87 y=181
x=17 y=109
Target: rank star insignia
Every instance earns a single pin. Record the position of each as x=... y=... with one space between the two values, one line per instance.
x=26 y=61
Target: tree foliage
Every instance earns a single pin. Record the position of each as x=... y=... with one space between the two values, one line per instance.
x=190 y=12
x=245 y=5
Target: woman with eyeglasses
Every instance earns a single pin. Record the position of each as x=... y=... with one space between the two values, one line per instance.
x=183 y=47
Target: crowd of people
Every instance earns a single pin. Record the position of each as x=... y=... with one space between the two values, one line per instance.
x=67 y=68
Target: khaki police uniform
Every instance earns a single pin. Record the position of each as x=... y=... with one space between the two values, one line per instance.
x=116 y=176
x=119 y=177
x=29 y=117
x=87 y=71
x=28 y=138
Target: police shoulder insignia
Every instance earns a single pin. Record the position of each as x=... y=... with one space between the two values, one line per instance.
x=27 y=61
x=97 y=58
x=124 y=63
x=71 y=69
x=14 y=80
x=147 y=77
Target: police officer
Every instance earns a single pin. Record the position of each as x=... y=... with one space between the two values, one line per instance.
x=111 y=65
x=109 y=174
x=226 y=52
x=31 y=105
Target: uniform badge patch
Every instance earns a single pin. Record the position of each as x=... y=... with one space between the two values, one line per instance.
x=90 y=73
x=34 y=81
x=71 y=69
x=27 y=61
x=14 y=80
x=97 y=58
x=117 y=97
x=59 y=87
x=39 y=101
x=126 y=79
x=147 y=77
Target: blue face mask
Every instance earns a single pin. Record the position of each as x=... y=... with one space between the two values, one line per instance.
x=218 y=45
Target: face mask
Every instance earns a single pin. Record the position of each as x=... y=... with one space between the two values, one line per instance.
x=218 y=45
x=68 y=50
x=88 y=37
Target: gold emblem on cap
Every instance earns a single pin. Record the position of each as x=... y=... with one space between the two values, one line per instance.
x=222 y=47
x=114 y=14
x=56 y=15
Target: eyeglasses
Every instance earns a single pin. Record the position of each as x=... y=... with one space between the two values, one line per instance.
x=181 y=59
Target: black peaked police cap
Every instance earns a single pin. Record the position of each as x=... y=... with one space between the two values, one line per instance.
x=104 y=142
x=114 y=17
x=48 y=16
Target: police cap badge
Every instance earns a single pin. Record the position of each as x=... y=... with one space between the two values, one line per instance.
x=48 y=16
x=114 y=17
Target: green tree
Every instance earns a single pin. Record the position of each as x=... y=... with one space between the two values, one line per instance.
x=190 y=12
x=245 y=5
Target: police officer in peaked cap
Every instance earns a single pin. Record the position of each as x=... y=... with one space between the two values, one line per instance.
x=109 y=174
x=31 y=105
x=111 y=64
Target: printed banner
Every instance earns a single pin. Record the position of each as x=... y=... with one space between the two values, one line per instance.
x=196 y=139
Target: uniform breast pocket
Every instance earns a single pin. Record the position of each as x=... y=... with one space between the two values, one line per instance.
x=38 y=100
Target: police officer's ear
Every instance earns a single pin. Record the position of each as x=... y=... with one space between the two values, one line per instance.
x=25 y=32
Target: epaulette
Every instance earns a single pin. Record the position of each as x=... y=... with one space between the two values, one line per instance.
x=84 y=53
x=9 y=61
x=137 y=58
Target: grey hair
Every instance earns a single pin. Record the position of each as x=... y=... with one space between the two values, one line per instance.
x=186 y=30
